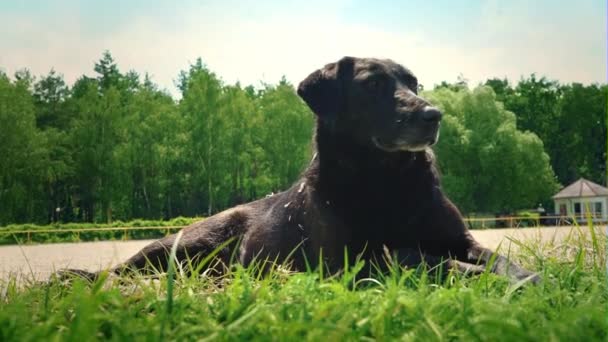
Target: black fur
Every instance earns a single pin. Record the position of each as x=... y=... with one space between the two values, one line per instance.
x=371 y=185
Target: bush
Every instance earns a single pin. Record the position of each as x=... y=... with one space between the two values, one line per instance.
x=76 y=232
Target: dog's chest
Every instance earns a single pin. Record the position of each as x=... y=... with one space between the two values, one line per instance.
x=380 y=216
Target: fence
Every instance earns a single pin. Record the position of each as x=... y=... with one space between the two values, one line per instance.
x=521 y=221
x=85 y=234
x=152 y=232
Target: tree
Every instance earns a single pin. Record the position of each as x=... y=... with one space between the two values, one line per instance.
x=150 y=130
x=200 y=106
x=23 y=154
x=50 y=94
x=96 y=134
x=239 y=111
x=285 y=134
x=54 y=119
x=569 y=119
x=488 y=164
x=108 y=72
x=502 y=88
x=581 y=133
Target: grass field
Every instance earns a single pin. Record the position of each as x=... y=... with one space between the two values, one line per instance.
x=569 y=305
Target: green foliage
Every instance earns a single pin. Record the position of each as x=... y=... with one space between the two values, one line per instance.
x=583 y=121
x=402 y=305
x=240 y=146
x=487 y=164
x=570 y=120
x=24 y=152
x=286 y=136
x=115 y=147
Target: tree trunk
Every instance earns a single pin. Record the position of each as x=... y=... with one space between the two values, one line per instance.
x=109 y=213
x=209 y=185
x=147 y=200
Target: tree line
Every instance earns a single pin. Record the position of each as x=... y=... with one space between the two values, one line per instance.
x=115 y=146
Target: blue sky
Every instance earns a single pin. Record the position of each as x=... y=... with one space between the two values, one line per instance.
x=261 y=41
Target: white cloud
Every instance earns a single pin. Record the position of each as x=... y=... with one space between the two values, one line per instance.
x=294 y=45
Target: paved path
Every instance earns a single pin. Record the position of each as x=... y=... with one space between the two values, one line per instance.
x=41 y=260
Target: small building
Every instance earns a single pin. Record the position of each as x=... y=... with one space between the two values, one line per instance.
x=581 y=197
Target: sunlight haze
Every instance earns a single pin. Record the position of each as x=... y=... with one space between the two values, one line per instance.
x=255 y=42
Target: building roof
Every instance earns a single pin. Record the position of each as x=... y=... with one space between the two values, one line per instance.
x=582 y=188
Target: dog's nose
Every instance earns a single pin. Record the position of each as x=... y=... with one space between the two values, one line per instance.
x=431 y=114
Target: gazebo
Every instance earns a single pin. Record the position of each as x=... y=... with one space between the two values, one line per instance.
x=581 y=197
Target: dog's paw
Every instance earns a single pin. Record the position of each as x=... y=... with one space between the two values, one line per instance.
x=526 y=277
x=68 y=274
x=535 y=278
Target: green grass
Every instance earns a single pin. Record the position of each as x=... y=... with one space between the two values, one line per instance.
x=570 y=304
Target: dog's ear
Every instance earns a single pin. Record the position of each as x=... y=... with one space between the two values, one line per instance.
x=323 y=90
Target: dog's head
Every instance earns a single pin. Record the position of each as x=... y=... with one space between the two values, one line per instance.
x=374 y=101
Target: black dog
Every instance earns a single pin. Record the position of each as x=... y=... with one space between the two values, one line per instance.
x=372 y=186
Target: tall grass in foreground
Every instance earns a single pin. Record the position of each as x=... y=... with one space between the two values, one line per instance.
x=570 y=304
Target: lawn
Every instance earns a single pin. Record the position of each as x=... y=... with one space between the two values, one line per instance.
x=405 y=304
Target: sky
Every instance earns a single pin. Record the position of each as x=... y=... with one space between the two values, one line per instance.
x=260 y=41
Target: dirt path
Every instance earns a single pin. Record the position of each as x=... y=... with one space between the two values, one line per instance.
x=41 y=260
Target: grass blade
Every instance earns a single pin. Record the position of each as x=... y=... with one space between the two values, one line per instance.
x=170 y=284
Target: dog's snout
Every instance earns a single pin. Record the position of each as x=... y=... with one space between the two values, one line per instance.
x=431 y=114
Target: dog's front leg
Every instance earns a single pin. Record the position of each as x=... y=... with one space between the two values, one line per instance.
x=500 y=264
x=412 y=258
